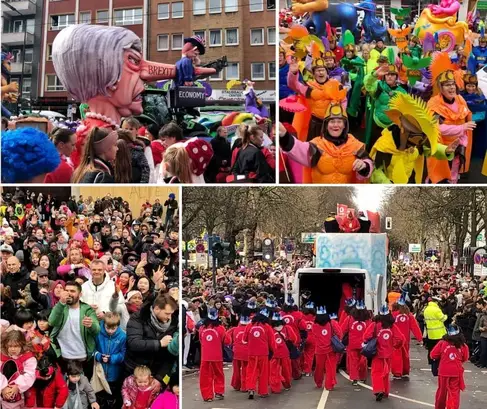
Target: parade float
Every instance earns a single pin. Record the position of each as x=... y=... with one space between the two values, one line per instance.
x=9 y=89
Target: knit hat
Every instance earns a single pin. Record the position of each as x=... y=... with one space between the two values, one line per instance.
x=130 y=294
x=200 y=153
x=27 y=153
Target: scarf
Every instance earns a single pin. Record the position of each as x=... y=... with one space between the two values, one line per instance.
x=159 y=326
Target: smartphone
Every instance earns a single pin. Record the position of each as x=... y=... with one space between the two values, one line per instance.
x=143 y=257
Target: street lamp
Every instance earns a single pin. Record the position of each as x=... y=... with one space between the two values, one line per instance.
x=23 y=51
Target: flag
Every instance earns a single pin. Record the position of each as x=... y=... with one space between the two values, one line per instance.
x=374 y=218
x=342 y=210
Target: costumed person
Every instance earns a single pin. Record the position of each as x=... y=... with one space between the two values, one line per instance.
x=455 y=120
x=335 y=71
x=388 y=337
x=353 y=328
x=375 y=53
x=64 y=140
x=381 y=92
x=349 y=224
x=324 y=328
x=280 y=365
x=435 y=327
x=259 y=337
x=344 y=313
x=309 y=314
x=234 y=336
x=9 y=89
x=293 y=317
x=27 y=156
x=415 y=47
x=212 y=338
x=18 y=366
x=284 y=90
x=478 y=57
x=399 y=154
x=113 y=86
x=406 y=322
x=451 y=352
x=253 y=104
x=186 y=70
x=334 y=47
x=318 y=95
x=335 y=156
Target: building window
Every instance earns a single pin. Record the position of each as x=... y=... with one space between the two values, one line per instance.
x=54 y=84
x=199 y=7
x=163 y=11
x=162 y=42
x=271 y=4
x=30 y=26
x=16 y=53
x=26 y=86
x=231 y=36
x=215 y=38
x=18 y=26
x=178 y=9
x=215 y=6
x=85 y=17
x=200 y=33
x=257 y=36
x=271 y=35
x=217 y=77
x=61 y=21
x=49 y=52
x=272 y=70
x=233 y=72
x=29 y=55
x=256 y=5
x=101 y=16
x=177 y=41
x=231 y=6
x=257 y=71
x=128 y=17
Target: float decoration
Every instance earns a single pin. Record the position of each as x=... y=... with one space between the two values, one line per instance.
x=414 y=66
x=9 y=89
x=400 y=36
x=292 y=104
x=400 y=14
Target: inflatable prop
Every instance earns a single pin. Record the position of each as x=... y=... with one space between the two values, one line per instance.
x=400 y=14
x=9 y=89
x=400 y=36
x=441 y=20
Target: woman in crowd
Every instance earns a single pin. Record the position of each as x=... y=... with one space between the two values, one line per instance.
x=65 y=141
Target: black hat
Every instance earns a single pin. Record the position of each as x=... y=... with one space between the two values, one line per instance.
x=197 y=41
x=172 y=284
x=129 y=254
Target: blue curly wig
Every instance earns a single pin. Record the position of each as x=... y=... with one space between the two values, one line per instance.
x=27 y=153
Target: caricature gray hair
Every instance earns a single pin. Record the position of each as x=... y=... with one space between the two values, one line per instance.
x=89 y=58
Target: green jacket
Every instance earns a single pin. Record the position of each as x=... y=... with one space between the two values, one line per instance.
x=58 y=318
x=434 y=320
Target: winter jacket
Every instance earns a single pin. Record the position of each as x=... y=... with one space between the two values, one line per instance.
x=48 y=394
x=451 y=358
x=407 y=324
x=140 y=166
x=59 y=316
x=211 y=339
x=67 y=269
x=86 y=392
x=17 y=281
x=322 y=334
x=483 y=324
x=144 y=346
x=115 y=346
x=355 y=330
x=308 y=320
x=434 y=320
x=387 y=339
x=166 y=400
x=25 y=375
x=234 y=337
x=287 y=333
x=260 y=339
x=130 y=391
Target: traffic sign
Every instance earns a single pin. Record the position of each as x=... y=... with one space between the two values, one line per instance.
x=415 y=248
x=388 y=223
x=200 y=248
x=308 y=238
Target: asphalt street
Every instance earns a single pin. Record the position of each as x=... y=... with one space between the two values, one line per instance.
x=417 y=393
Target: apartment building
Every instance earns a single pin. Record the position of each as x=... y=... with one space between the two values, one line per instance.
x=243 y=30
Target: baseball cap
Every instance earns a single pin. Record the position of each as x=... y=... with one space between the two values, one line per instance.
x=6 y=248
x=41 y=271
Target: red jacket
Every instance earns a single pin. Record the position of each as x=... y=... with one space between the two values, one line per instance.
x=309 y=320
x=157 y=151
x=234 y=337
x=62 y=174
x=408 y=324
x=260 y=339
x=356 y=330
x=343 y=316
x=54 y=394
x=287 y=333
x=387 y=339
x=451 y=358
x=211 y=339
x=322 y=336
x=295 y=320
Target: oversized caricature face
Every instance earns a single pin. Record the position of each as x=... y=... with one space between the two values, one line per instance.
x=127 y=95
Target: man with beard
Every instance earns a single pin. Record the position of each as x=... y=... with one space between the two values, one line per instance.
x=55 y=254
x=74 y=328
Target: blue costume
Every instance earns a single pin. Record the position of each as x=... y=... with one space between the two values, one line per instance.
x=477 y=59
x=478 y=105
x=284 y=90
x=184 y=71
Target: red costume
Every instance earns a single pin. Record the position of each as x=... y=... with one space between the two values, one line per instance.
x=400 y=364
x=212 y=379
x=295 y=319
x=53 y=393
x=387 y=340
x=450 y=374
x=260 y=340
x=356 y=362
x=280 y=365
x=240 y=356
x=326 y=357
x=309 y=345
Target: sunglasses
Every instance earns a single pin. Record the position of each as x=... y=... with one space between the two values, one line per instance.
x=132 y=259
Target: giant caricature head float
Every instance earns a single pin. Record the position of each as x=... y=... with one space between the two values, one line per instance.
x=193 y=46
x=103 y=66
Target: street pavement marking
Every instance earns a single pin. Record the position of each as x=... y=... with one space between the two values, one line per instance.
x=466 y=370
x=344 y=374
x=323 y=399
x=415 y=359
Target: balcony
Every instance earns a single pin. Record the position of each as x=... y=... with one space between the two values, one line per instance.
x=16 y=68
x=24 y=7
x=11 y=39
